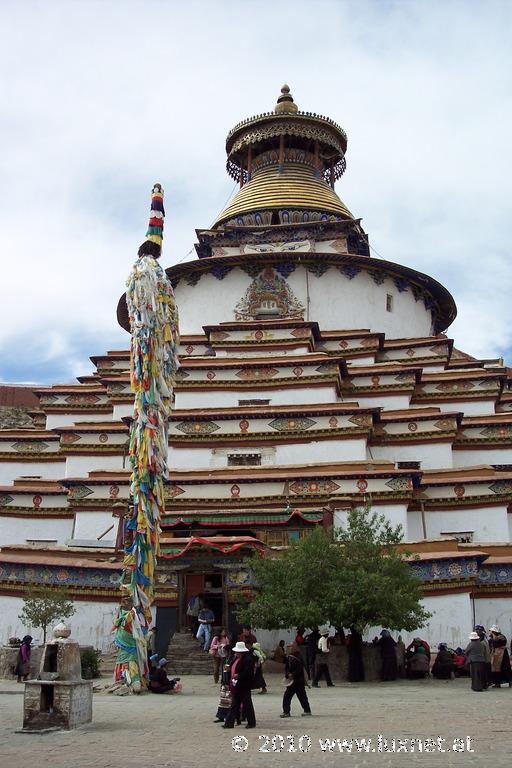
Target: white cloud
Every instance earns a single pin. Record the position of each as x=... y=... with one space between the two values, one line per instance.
x=103 y=98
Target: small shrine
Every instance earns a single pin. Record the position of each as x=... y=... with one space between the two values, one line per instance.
x=58 y=698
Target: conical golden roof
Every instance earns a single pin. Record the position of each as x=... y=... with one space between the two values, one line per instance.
x=294 y=187
x=286 y=162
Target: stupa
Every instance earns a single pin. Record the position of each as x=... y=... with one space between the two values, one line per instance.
x=314 y=377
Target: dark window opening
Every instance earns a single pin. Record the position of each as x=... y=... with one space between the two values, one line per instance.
x=47 y=692
x=50 y=658
x=408 y=464
x=389 y=303
x=244 y=460
x=254 y=402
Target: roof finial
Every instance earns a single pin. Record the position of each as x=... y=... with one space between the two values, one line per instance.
x=285 y=103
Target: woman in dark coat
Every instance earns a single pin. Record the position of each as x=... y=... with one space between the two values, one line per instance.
x=22 y=669
x=475 y=656
x=387 y=646
x=444 y=665
x=500 y=660
x=241 y=682
x=355 y=656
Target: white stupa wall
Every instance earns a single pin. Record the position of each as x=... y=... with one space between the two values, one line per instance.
x=488 y=524
x=80 y=466
x=497 y=611
x=431 y=455
x=22 y=530
x=332 y=300
x=229 y=398
x=91 y=624
x=312 y=452
x=91 y=525
x=395 y=513
x=489 y=456
x=50 y=470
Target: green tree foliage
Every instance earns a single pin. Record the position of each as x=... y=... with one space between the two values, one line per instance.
x=41 y=607
x=356 y=579
x=292 y=585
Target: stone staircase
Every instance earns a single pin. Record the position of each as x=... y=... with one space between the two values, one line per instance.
x=186 y=657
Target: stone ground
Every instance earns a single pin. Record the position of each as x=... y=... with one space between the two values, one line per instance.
x=178 y=731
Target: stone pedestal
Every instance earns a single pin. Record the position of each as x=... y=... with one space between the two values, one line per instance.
x=59 y=698
x=56 y=704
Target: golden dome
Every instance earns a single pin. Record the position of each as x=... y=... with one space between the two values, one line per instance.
x=295 y=186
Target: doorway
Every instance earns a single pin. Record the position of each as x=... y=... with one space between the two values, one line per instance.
x=209 y=587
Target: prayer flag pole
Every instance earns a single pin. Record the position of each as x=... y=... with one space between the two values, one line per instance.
x=154 y=361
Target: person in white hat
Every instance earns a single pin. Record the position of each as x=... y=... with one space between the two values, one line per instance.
x=241 y=681
x=475 y=655
x=322 y=659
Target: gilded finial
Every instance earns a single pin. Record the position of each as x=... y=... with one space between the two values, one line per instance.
x=285 y=103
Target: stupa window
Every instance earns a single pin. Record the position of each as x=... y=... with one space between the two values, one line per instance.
x=389 y=303
x=463 y=537
x=254 y=401
x=244 y=460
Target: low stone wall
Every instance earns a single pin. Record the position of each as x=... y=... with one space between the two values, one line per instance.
x=9 y=656
x=338 y=663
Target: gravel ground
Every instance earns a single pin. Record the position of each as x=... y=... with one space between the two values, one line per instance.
x=178 y=731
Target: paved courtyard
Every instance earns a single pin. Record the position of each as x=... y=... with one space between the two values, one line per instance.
x=178 y=731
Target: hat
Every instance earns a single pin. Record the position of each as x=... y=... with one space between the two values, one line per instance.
x=162 y=662
x=240 y=647
x=324 y=630
x=474 y=636
x=494 y=628
x=154 y=657
x=442 y=645
x=479 y=627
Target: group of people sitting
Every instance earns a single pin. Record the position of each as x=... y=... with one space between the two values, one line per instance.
x=414 y=661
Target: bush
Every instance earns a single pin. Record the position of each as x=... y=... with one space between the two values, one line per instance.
x=90 y=660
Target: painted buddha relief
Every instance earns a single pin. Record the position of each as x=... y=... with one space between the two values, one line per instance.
x=268 y=296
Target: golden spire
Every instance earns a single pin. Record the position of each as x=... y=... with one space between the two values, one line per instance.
x=285 y=103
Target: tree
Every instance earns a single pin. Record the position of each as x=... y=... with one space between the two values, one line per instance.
x=41 y=607
x=374 y=585
x=358 y=578
x=292 y=584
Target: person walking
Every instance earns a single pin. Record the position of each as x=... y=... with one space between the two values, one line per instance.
x=22 y=669
x=475 y=655
x=242 y=673
x=322 y=660
x=297 y=685
x=205 y=618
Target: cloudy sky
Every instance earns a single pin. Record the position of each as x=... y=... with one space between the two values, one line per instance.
x=100 y=99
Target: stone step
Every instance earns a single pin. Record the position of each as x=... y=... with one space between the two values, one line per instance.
x=186 y=657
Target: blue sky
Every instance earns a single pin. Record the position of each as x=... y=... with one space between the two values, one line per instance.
x=100 y=99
